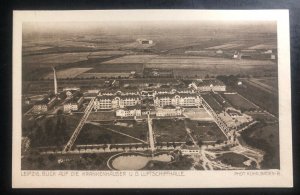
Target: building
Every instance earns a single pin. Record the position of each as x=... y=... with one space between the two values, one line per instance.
x=115 y=102
x=45 y=104
x=219 y=51
x=176 y=99
x=145 y=41
x=129 y=111
x=208 y=85
x=189 y=150
x=169 y=111
x=73 y=104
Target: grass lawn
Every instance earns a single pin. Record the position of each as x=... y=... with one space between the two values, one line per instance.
x=92 y=134
x=169 y=130
x=102 y=116
x=50 y=130
x=205 y=131
x=239 y=102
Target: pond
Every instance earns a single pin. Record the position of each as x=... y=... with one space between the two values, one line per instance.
x=136 y=161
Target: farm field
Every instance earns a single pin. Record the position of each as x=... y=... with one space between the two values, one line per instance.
x=132 y=59
x=263 y=99
x=169 y=130
x=67 y=73
x=269 y=85
x=264 y=46
x=55 y=58
x=122 y=67
x=239 y=102
x=226 y=46
x=97 y=75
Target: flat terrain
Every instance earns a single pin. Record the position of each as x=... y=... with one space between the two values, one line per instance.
x=205 y=131
x=239 y=102
x=107 y=133
x=50 y=130
x=169 y=130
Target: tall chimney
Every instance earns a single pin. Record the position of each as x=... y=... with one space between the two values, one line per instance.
x=55 y=81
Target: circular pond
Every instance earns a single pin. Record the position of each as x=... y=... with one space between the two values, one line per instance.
x=135 y=161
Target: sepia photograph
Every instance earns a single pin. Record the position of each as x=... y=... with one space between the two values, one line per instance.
x=143 y=94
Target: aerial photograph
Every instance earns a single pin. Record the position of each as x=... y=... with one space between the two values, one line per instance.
x=150 y=95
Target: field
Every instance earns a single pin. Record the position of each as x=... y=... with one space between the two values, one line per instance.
x=169 y=130
x=239 y=102
x=50 y=130
x=226 y=46
x=102 y=116
x=97 y=75
x=101 y=133
x=46 y=59
x=214 y=104
x=205 y=131
x=264 y=46
x=267 y=84
x=132 y=59
x=67 y=73
x=263 y=99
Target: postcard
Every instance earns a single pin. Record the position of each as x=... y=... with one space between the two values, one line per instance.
x=151 y=99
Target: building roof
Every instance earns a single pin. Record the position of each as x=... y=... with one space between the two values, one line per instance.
x=187 y=147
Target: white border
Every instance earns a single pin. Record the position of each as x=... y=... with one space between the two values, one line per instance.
x=192 y=179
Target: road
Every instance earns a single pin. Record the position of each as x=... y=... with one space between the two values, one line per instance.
x=151 y=139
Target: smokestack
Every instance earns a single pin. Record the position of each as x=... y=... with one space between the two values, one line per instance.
x=55 y=81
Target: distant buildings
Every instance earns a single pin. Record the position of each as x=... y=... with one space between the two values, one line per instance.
x=145 y=41
x=169 y=111
x=114 y=102
x=129 y=111
x=176 y=99
x=45 y=104
x=208 y=85
x=189 y=150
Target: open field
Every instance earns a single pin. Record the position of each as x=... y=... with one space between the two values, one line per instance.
x=103 y=75
x=169 y=130
x=67 y=73
x=50 y=130
x=214 y=104
x=205 y=131
x=263 y=99
x=55 y=58
x=122 y=67
x=269 y=85
x=102 y=116
x=102 y=134
x=264 y=46
x=132 y=59
x=226 y=46
x=239 y=102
